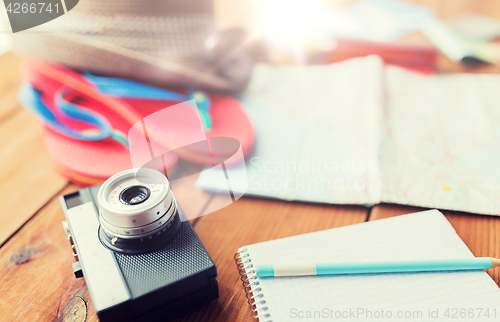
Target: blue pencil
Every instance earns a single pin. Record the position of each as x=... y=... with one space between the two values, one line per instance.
x=425 y=265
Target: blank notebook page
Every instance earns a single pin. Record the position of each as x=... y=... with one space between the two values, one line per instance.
x=423 y=235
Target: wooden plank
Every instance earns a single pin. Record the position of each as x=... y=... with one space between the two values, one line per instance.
x=36 y=278
x=480 y=233
x=9 y=83
x=249 y=221
x=28 y=178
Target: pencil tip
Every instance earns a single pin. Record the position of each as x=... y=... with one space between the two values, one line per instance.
x=495 y=262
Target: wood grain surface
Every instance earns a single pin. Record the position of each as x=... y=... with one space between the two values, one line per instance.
x=36 y=278
x=10 y=78
x=28 y=178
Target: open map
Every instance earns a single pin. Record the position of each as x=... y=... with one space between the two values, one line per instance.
x=357 y=132
x=441 y=141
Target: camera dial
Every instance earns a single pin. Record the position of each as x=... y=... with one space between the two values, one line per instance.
x=137 y=211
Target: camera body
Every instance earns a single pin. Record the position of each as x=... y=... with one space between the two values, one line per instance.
x=156 y=285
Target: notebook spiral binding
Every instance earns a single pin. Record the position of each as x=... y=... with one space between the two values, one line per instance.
x=250 y=284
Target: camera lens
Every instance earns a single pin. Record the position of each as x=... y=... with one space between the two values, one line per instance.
x=134 y=195
x=137 y=211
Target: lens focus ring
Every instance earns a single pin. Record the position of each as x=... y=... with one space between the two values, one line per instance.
x=137 y=211
x=134 y=198
x=140 y=231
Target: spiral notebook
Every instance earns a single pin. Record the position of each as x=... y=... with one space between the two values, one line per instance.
x=398 y=296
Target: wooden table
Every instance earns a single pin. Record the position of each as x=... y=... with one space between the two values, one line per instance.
x=36 y=279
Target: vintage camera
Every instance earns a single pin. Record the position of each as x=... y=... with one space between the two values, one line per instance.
x=140 y=256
